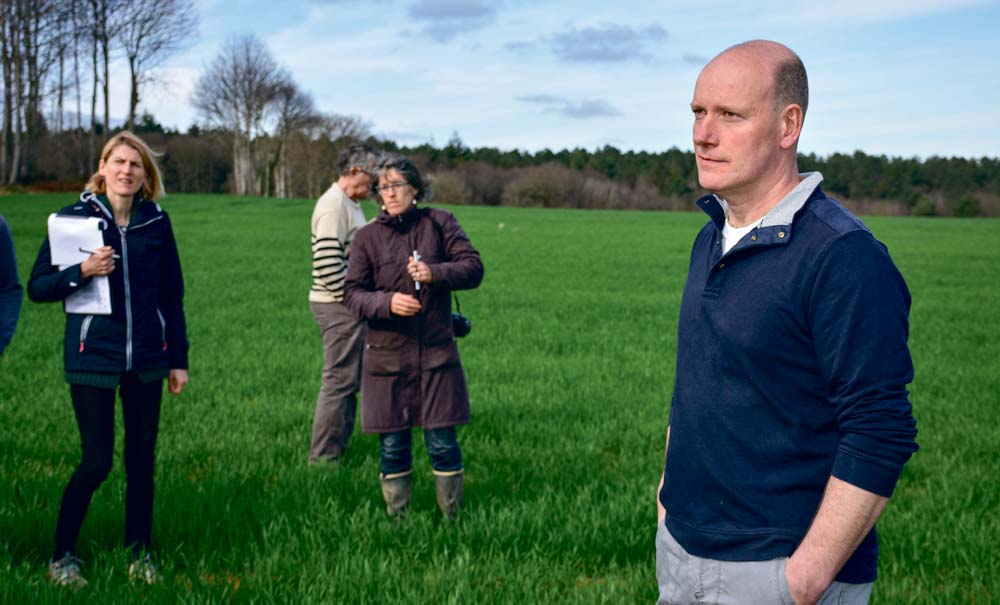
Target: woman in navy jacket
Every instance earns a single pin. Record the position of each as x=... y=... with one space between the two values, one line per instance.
x=132 y=350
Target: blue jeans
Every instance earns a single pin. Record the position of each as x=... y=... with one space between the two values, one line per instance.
x=396 y=452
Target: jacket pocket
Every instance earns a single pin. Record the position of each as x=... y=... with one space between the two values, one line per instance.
x=441 y=356
x=84 y=329
x=382 y=361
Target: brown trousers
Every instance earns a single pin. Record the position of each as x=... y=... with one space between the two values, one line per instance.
x=336 y=405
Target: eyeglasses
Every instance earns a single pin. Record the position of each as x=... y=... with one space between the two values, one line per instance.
x=388 y=186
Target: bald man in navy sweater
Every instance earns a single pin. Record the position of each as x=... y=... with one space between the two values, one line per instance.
x=790 y=420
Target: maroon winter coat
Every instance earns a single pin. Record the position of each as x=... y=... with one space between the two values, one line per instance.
x=411 y=372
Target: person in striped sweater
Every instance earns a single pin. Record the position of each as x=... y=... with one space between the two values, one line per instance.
x=335 y=220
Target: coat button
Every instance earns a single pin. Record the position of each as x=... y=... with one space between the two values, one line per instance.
x=722 y=266
x=781 y=234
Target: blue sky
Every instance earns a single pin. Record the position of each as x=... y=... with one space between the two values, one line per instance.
x=896 y=77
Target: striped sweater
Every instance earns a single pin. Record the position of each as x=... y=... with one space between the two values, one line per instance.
x=335 y=220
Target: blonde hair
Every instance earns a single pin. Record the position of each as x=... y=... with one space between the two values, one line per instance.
x=152 y=186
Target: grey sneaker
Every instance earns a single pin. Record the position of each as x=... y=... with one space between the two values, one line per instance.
x=144 y=570
x=67 y=571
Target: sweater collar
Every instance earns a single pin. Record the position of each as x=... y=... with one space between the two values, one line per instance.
x=781 y=214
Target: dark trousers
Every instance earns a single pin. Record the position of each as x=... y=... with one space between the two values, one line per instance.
x=396 y=455
x=95 y=417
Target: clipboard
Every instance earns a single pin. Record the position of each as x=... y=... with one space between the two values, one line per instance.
x=68 y=237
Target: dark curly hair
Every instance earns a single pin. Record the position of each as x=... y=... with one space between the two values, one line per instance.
x=394 y=161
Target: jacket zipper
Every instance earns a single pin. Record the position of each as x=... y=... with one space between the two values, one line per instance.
x=128 y=293
x=152 y=220
x=84 y=328
x=128 y=302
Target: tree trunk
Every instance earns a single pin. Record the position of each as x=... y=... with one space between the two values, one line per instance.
x=249 y=174
x=239 y=164
x=61 y=33
x=78 y=131
x=15 y=154
x=33 y=123
x=249 y=168
x=17 y=67
x=280 y=182
x=133 y=100
x=105 y=44
x=272 y=179
x=92 y=145
x=7 y=97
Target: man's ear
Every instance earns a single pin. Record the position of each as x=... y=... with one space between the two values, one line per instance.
x=791 y=125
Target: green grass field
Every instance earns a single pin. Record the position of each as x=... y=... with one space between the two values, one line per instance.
x=570 y=365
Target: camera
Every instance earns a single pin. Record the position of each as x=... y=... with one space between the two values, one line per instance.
x=461 y=324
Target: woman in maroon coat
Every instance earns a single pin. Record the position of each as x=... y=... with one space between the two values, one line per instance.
x=401 y=272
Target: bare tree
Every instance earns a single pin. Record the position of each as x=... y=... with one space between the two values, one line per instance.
x=154 y=30
x=236 y=92
x=15 y=96
x=28 y=52
x=40 y=24
x=296 y=111
x=316 y=158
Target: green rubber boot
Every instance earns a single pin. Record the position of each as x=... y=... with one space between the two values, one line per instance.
x=450 y=493
x=396 y=490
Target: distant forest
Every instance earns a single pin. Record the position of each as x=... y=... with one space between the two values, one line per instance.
x=201 y=162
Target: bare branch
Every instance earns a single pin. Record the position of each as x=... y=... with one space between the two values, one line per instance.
x=157 y=29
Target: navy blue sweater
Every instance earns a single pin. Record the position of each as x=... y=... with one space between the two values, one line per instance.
x=792 y=366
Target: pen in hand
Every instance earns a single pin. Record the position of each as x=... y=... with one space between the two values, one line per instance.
x=416 y=259
x=92 y=252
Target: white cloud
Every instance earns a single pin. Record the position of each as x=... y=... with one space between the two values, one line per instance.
x=578 y=110
x=874 y=11
x=446 y=19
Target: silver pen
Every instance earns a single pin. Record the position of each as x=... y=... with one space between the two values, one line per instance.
x=93 y=251
x=416 y=259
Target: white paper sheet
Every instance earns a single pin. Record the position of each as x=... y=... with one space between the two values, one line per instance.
x=71 y=240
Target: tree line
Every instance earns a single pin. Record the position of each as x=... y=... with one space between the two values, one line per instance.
x=260 y=134
x=612 y=178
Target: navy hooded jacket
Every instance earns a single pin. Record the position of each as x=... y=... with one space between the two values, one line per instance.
x=146 y=329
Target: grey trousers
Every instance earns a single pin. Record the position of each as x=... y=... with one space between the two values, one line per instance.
x=685 y=579
x=336 y=405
